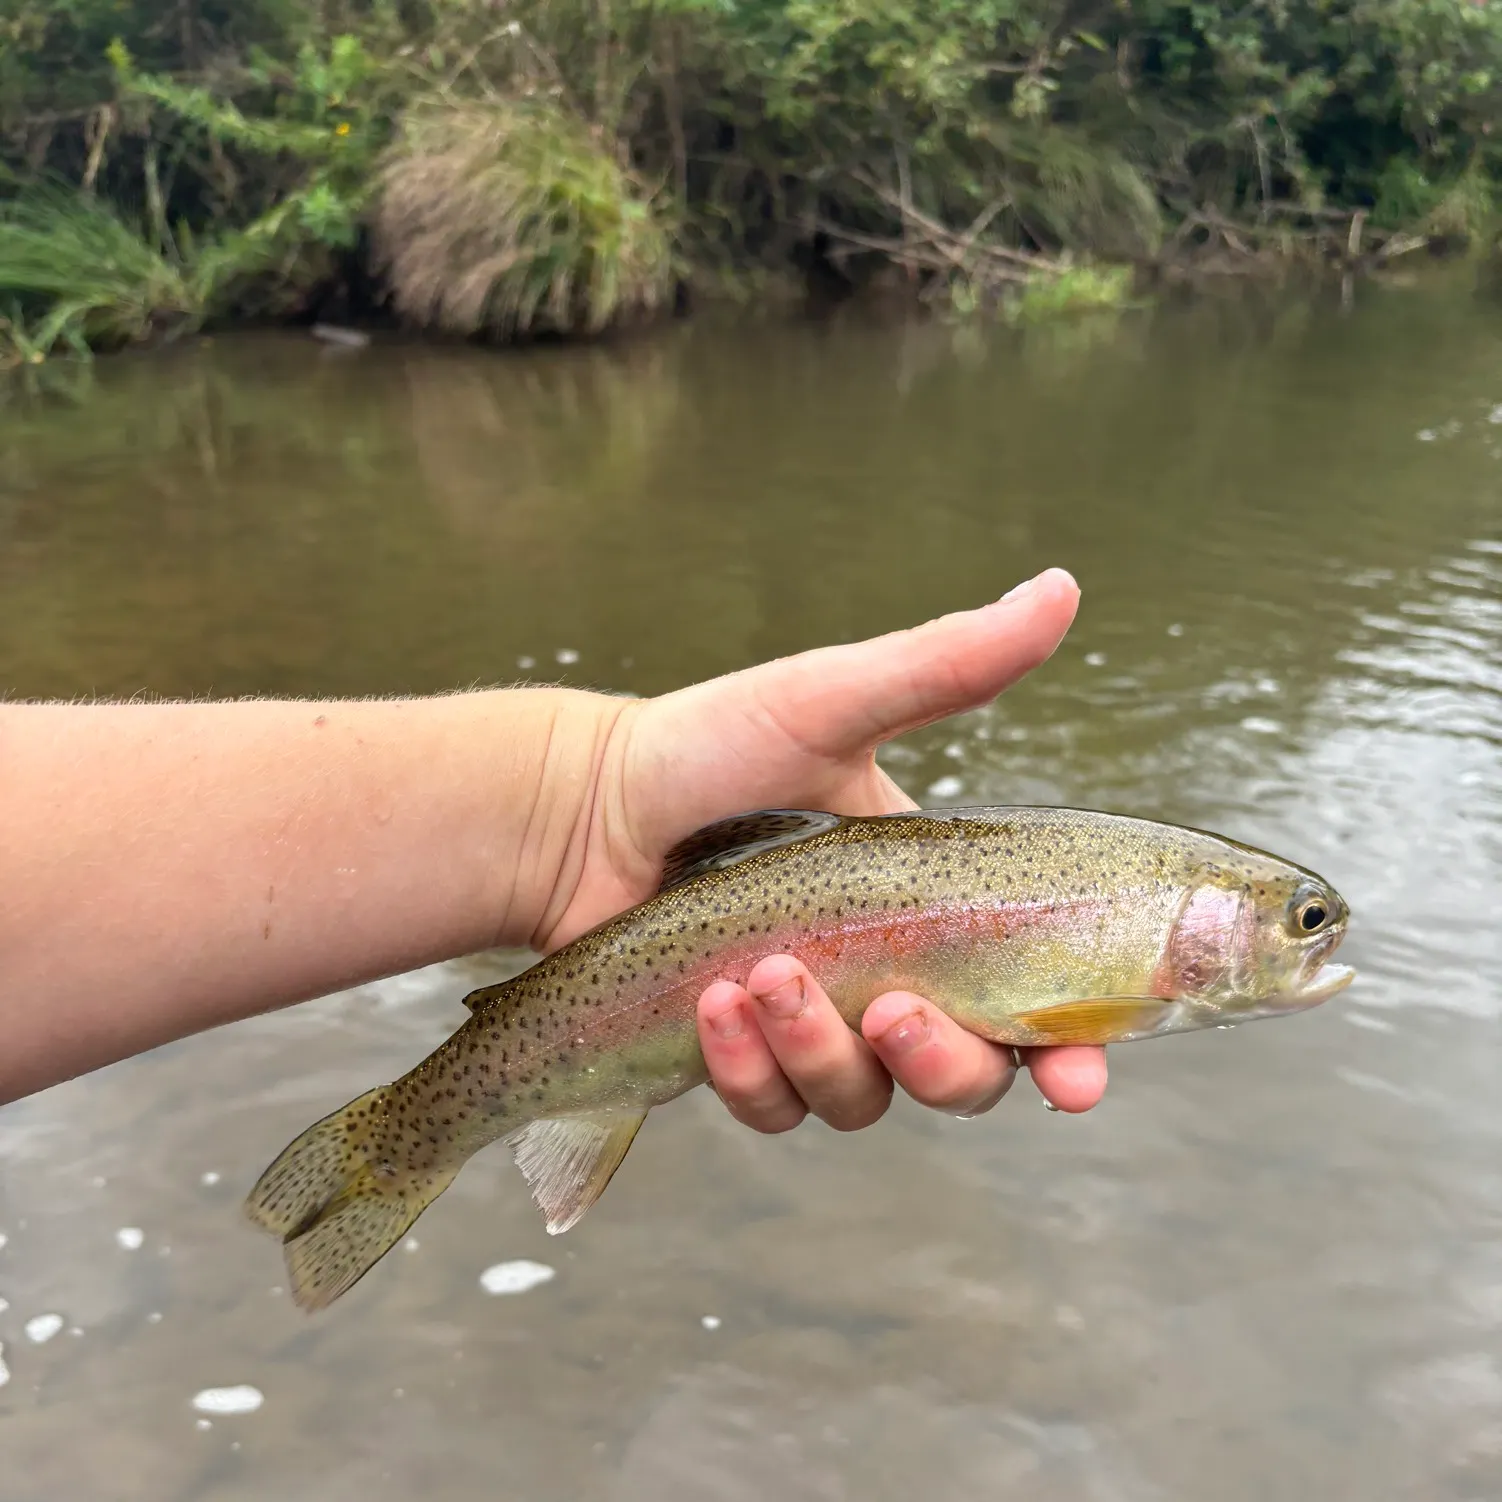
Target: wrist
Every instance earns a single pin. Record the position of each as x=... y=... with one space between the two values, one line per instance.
x=545 y=837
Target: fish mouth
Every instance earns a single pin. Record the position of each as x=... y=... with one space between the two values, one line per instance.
x=1322 y=985
x=1317 y=979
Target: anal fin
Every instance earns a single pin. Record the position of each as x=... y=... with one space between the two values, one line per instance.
x=1102 y=1019
x=568 y=1160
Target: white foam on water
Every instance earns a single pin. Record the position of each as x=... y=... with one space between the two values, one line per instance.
x=209 y=1179
x=203 y=1423
x=710 y=1321
x=515 y=1277
x=241 y=1399
x=1366 y=1020
x=155 y=1317
x=75 y=1329
x=4 y=1370
x=3 y=1240
x=130 y=1237
x=946 y=787
x=4 y=1305
x=566 y=655
x=99 y=1181
x=1258 y=726
x=526 y=662
x=1096 y=659
x=40 y=1328
x=1176 y=629
x=411 y=1244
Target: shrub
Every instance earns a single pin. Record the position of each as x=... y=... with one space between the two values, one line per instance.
x=512 y=218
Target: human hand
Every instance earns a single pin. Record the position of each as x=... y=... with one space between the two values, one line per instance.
x=802 y=732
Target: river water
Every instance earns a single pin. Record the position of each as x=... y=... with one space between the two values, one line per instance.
x=1268 y=1266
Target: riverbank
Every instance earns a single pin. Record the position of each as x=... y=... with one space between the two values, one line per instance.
x=1266 y=1267
x=542 y=169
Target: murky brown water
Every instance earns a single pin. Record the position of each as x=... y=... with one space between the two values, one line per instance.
x=1270 y=1266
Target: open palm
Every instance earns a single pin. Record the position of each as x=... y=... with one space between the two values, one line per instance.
x=802 y=732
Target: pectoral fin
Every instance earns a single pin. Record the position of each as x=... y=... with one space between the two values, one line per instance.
x=568 y=1160
x=1102 y=1019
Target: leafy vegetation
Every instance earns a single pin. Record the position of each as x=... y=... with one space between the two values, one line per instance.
x=510 y=218
x=76 y=274
x=514 y=167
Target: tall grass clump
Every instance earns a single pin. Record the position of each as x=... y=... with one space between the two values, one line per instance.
x=510 y=218
x=74 y=272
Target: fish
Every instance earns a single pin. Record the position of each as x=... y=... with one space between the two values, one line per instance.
x=1028 y=926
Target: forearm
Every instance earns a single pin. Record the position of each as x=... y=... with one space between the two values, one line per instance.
x=170 y=867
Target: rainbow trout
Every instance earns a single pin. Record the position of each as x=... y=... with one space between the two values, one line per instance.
x=1027 y=926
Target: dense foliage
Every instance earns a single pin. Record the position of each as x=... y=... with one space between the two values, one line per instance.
x=564 y=161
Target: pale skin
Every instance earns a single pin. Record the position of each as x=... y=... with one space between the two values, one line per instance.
x=171 y=867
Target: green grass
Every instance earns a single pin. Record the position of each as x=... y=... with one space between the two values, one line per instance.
x=74 y=274
x=1076 y=289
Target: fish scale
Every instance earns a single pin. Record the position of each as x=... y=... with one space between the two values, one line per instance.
x=1027 y=926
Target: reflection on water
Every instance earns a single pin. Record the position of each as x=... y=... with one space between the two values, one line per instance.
x=1270 y=1265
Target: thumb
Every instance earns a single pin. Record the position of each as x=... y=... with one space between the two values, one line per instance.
x=838 y=701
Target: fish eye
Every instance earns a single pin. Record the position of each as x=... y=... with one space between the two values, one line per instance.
x=1312 y=915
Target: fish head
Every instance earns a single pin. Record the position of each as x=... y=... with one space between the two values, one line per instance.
x=1254 y=937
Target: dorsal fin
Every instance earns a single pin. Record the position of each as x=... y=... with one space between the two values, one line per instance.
x=727 y=841
x=484 y=996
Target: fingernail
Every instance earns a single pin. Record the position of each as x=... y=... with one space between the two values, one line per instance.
x=787 y=1000
x=905 y=1034
x=1019 y=590
x=729 y=1023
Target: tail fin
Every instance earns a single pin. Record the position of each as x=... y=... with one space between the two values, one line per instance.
x=336 y=1218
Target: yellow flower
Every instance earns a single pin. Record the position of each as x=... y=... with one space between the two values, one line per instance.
x=342 y=128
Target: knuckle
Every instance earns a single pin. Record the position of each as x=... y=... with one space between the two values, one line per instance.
x=987 y=1102
x=857 y=1114
x=819 y=1068
x=969 y=1094
x=767 y=1103
x=774 y=1120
